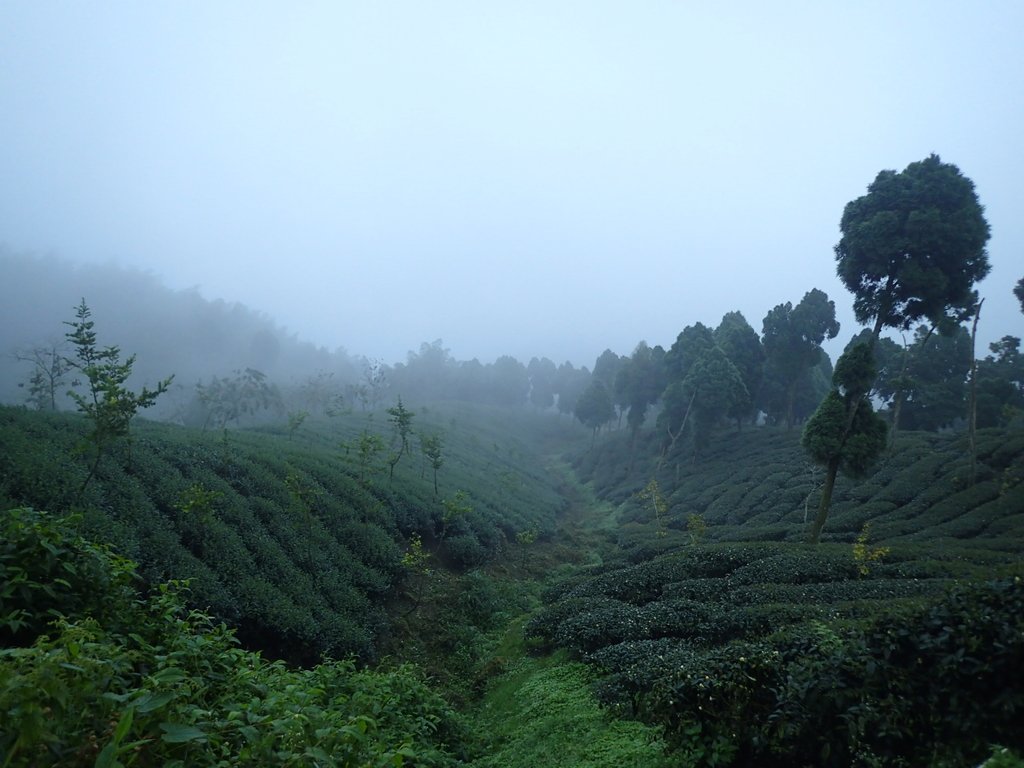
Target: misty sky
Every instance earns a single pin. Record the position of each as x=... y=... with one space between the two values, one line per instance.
x=527 y=178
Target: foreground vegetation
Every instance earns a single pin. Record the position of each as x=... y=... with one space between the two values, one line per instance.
x=665 y=613
x=95 y=672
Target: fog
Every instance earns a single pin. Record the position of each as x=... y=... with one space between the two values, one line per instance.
x=531 y=179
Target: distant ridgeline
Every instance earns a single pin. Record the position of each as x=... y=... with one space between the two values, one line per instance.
x=234 y=366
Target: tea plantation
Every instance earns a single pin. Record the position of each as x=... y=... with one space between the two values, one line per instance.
x=551 y=603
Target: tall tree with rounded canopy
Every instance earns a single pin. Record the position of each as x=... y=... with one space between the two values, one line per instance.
x=594 y=407
x=793 y=337
x=913 y=247
x=742 y=346
x=638 y=384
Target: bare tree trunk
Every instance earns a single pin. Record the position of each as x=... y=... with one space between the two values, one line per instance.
x=972 y=416
x=677 y=435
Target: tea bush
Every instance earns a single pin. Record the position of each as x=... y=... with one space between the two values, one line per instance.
x=97 y=674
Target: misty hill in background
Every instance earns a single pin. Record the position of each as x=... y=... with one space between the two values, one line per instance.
x=177 y=332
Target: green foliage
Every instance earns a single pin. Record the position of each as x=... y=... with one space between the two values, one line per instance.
x=871 y=669
x=542 y=712
x=47 y=572
x=49 y=369
x=295 y=421
x=863 y=554
x=594 y=407
x=792 y=338
x=108 y=404
x=455 y=509
x=286 y=542
x=716 y=388
x=651 y=496
x=233 y=398
x=400 y=419
x=742 y=346
x=149 y=682
x=431 y=445
x=913 y=246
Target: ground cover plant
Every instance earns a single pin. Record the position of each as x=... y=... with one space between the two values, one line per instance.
x=117 y=677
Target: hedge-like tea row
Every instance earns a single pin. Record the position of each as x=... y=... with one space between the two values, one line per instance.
x=734 y=649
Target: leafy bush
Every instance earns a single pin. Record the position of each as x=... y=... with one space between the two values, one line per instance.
x=148 y=682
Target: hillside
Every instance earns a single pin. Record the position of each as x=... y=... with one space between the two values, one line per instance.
x=758 y=485
x=553 y=594
x=296 y=539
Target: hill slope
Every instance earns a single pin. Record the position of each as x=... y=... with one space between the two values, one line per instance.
x=295 y=539
x=757 y=485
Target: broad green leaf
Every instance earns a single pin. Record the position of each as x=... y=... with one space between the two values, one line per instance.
x=150 y=701
x=176 y=733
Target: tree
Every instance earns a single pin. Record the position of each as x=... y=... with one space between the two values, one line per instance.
x=454 y=509
x=570 y=382
x=935 y=383
x=541 y=373
x=710 y=389
x=832 y=440
x=231 y=398
x=368 y=447
x=400 y=419
x=719 y=390
x=594 y=407
x=49 y=368
x=107 y=403
x=691 y=342
x=913 y=247
x=1001 y=384
x=373 y=384
x=638 y=384
x=742 y=346
x=431 y=447
x=508 y=382
x=792 y=341
x=606 y=370
x=1018 y=291
x=319 y=394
